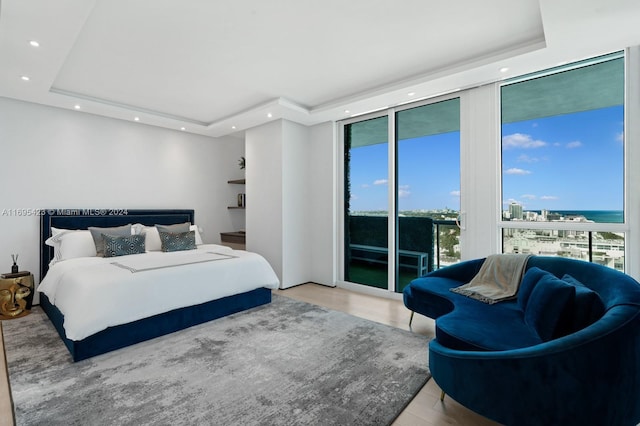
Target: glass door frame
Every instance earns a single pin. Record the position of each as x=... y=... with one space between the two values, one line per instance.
x=392 y=255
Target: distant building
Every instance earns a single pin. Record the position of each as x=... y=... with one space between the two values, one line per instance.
x=553 y=216
x=515 y=211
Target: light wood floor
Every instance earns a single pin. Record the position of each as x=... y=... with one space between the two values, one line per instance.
x=426 y=408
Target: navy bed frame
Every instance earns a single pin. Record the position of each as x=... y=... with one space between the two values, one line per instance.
x=120 y=336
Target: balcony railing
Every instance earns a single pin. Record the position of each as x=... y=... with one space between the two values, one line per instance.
x=445 y=254
x=604 y=248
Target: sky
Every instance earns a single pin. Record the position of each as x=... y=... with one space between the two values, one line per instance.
x=565 y=162
x=428 y=174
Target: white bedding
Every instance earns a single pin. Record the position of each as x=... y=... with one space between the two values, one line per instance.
x=93 y=294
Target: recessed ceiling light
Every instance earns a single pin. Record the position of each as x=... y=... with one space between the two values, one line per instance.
x=269 y=115
x=183 y=128
x=25 y=78
x=504 y=69
x=233 y=127
x=411 y=94
x=77 y=106
x=34 y=43
x=136 y=118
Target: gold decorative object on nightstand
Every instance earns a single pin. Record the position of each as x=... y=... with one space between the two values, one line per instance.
x=16 y=294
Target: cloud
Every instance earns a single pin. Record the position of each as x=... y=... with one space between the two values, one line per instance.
x=574 y=144
x=528 y=196
x=364 y=185
x=380 y=182
x=455 y=193
x=524 y=158
x=548 y=197
x=353 y=197
x=403 y=191
x=516 y=171
x=620 y=137
x=519 y=140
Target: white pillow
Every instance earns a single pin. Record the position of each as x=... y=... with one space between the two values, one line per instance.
x=137 y=228
x=69 y=244
x=198 y=237
x=152 y=238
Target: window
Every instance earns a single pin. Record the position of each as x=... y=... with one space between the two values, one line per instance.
x=563 y=186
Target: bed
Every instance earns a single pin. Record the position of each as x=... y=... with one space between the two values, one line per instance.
x=100 y=304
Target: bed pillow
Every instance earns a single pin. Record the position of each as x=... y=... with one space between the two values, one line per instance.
x=96 y=233
x=178 y=241
x=70 y=243
x=115 y=245
x=137 y=228
x=174 y=229
x=152 y=238
x=546 y=305
x=194 y=228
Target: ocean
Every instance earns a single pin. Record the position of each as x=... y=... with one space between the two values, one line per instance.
x=598 y=216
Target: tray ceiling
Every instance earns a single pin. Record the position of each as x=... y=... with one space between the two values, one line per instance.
x=217 y=68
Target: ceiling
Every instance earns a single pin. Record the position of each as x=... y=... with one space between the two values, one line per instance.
x=219 y=67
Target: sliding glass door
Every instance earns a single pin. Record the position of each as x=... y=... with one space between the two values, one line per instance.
x=428 y=188
x=402 y=197
x=366 y=215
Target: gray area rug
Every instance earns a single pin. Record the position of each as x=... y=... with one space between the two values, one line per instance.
x=286 y=363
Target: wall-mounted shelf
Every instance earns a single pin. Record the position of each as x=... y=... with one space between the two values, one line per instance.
x=238 y=182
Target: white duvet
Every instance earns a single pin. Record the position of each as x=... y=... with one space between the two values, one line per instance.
x=93 y=294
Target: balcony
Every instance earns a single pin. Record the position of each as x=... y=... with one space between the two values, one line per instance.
x=424 y=244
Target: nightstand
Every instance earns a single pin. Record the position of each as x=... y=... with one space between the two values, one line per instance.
x=235 y=240
x=16 y=294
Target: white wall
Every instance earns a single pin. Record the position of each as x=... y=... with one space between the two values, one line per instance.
x=263 y=150
x=278 y=224
x=297 y=226
x=321 y=197
x=55 y=158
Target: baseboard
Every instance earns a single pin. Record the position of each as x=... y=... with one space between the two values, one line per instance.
x=308 y=282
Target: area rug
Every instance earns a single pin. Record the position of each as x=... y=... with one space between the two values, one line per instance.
x=286 y=363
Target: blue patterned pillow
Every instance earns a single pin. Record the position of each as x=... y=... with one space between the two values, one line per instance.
x=96 y=233
x=117 y=245
x=178 y=241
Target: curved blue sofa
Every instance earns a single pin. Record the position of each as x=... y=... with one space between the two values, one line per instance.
x=492 y=360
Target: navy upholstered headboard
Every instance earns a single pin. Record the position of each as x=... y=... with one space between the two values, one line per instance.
x=84 y=218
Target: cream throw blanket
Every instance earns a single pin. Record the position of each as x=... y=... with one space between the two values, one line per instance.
x=498 y=279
